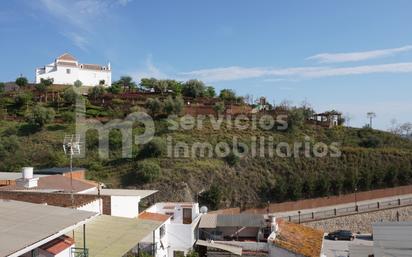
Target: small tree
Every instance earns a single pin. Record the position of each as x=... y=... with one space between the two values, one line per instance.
x=23 y=99
x=40 y=116
x=193 y=88
x=210 y=92
x=22 y=81
x=126 y=82
x=227 y=95
x=173 y=105
x=155 y=148
x=147 y=171
x=2 y=87
x=219 y=107
x=70 y=96
x=96 y=92
x=78 y=83
x=154 y=106
x=212 y=197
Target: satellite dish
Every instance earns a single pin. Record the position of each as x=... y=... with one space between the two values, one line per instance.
x=203 y=209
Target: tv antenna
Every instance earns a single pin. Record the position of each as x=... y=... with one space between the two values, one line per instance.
x=71 y=147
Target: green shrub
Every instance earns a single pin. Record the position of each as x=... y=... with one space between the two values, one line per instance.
x=155 y=148
x=147 y=171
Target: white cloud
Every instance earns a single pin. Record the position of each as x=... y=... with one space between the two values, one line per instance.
x=237 y=73
x=358 y=56
x=149 y=71
x=78 y=17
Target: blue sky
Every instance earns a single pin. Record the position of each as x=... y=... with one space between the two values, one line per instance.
x=353 y=56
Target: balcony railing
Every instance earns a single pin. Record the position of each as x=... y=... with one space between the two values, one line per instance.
x=80 y=252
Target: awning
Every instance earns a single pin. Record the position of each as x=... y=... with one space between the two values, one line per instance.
x=109 y=236
x=228 y=248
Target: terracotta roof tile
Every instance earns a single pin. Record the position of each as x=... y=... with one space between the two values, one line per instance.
x=67 y=57
x=55 y=182
x=299 y=239
x=71 y=64
x=153 y=216
x=58 y=245
x=92 y=67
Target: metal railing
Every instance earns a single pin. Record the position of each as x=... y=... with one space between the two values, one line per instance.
x=80 y=252
x=336 y=212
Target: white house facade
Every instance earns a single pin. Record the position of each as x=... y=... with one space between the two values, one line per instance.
x=66 y=70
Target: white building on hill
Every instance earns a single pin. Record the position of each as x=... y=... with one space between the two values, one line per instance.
x=66 y=70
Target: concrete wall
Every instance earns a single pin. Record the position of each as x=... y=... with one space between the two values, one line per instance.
x=125 y=206
x=95 y=206
x=362 y=222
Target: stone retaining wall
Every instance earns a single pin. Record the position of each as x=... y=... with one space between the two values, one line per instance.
x=362 y=222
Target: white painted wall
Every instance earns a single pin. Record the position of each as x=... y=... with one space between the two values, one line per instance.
x=125 y=206
x=162 y=244
x=87 y=76
x=95 y=206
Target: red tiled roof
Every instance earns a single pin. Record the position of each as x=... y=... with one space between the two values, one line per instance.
x=58 y=245
x=92 y=66
x=55 y=182
x=153 y=216
x=71 y=64
x=67 y=57
x=299 y=239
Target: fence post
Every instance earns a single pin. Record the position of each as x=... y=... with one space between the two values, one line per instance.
x=290 y=219
x=299 y=216
x=378 y=204
x=334 y=210
x=399 y=201
x=313 y=215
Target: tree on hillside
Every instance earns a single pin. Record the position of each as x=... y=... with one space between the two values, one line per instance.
x=115 y=88
x=70 y=96
x=127 y=83
x=173 y=105
x=210 y=92
x=147 y=171
x=148 y=83
x=96 y=92
x=40 y=116
x=227 y=95
x=22 y=81
x=211 y=198
x=219 y=107
x=78 y=83
x=23 y=99
x=2 y=87
x=154 y=106
x=193 y=88
x=43 y=85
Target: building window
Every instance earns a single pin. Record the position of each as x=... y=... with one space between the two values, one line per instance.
x=162 y=231
x=68 y=71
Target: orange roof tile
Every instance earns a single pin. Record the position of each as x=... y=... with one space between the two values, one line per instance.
x=153 y=216
x=299 y=239
x=67 y=57
x=58 y=245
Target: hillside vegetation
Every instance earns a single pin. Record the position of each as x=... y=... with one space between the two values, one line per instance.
x=370 y=159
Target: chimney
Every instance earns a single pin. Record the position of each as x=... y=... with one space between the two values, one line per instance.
x=27 y=180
